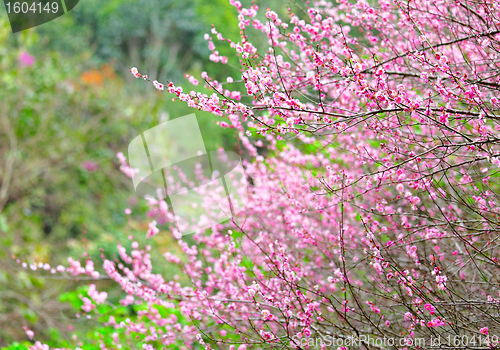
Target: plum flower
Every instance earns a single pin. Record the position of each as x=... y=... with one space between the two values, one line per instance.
x=441 y=280
x=436 y=323
x=429 y=308
x=39 y=346
x=158 y=85
x=484 y=331
x=90 y=166
x=99 y=298
x=266 y=315
x=25 y=59
x=152 y=230
x=31 y=334
x=135 y=72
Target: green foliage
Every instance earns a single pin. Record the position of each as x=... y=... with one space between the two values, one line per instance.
x=18 y=346
x=162 y=37
x=92 y=330
x=57 y=116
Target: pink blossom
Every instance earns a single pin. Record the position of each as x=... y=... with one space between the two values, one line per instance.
x=25 y=59
x=429 y=308
x=152 y=230
x=90 y=166
x=345 y=142
x=29 y=332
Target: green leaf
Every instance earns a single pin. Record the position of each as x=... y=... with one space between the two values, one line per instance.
x=3 y=224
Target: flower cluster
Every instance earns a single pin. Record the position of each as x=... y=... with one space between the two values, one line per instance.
x=375 y=201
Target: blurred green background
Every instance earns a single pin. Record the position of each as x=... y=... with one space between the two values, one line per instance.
x=68 y=104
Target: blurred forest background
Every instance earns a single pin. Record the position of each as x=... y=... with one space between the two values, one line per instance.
x=68 y=104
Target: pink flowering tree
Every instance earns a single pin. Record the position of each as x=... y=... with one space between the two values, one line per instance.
x=374 y=212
